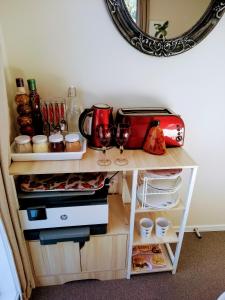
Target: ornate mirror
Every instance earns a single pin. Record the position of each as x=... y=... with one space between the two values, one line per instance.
x=165 y=27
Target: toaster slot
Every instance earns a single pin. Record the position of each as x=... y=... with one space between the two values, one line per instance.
x=145 y=111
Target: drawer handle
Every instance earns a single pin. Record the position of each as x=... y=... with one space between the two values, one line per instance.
x=63 y=217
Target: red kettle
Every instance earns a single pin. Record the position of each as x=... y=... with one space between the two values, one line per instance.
x=101 y=114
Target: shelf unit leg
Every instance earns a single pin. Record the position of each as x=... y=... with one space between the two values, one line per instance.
x=132 y=220
x=170 y=252
x=185 y=216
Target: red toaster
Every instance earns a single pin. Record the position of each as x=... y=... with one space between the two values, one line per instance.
x=140 y=119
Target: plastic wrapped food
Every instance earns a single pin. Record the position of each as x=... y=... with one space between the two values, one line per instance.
x=155 y=141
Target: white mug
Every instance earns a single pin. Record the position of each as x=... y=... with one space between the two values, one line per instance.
x=161 y=226
x=146 y=226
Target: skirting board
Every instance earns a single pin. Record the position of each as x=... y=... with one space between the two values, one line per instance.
x=203 y=228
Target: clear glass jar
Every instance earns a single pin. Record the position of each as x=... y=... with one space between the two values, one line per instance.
x=23 y=144
x=56 y=143
x=40 y=143
x=72 y=142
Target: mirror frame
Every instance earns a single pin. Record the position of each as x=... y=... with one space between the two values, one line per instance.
x=164 y=47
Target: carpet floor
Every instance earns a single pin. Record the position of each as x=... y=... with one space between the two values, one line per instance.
x=200 y=276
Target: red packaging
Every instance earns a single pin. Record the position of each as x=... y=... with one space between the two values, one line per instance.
x=155 y=141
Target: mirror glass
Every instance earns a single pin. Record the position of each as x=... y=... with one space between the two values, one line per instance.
x=165 y=27
x=166 y=18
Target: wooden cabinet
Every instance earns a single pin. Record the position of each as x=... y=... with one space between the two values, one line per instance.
x=102 y=257
x=101 y=253
x=60 y=258
x=104 y=253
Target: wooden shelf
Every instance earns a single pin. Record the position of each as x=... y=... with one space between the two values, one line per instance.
x=138 y=160
x=162 y=269
x=163 y=213
x=117 y=219
x=170 y=237
x=168 y=267
x=127 y=186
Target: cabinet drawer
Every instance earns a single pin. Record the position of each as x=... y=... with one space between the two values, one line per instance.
x=60 y=258
x=104 y=253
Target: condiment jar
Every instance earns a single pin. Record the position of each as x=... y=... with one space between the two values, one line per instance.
x=56 y=143
x=23 y=144
x=40 y=143
x=72 y=142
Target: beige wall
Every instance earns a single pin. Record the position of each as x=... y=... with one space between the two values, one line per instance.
x=181 y=14
x=74 y=41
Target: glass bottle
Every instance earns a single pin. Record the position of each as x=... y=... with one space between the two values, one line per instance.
x=73 y=110
x=57 y=119
x=51 y=118
x=21 y=97
x=63 y=123
x=24 y=109
x=36 y=110
x=46 y=126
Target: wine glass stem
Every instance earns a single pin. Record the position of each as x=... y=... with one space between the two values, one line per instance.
x=104 y=152
x=121 y=149
x=122 y=157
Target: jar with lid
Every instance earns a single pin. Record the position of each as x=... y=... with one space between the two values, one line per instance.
x=72 y=142
x=23 y=144
x=56 y=143
x=40 y=143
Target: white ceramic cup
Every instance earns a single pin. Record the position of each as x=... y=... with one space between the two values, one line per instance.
x=146 y=226
x=161 y=226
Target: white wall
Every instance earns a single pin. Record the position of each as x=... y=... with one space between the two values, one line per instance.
x=74 y=41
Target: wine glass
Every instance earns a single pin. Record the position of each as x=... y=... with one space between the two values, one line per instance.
x=122 y=136
x=104 y=133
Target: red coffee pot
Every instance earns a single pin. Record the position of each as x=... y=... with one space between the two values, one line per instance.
x=101 y=114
